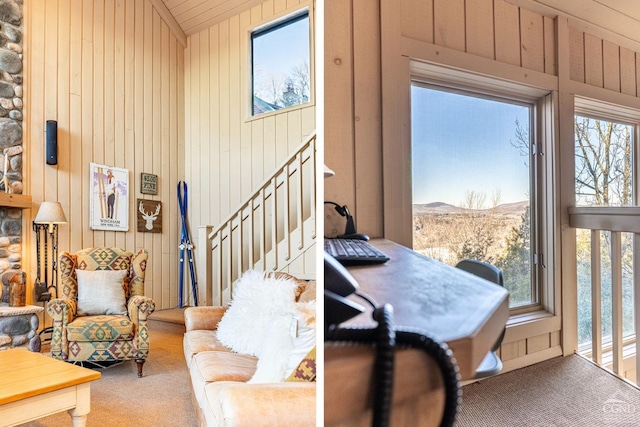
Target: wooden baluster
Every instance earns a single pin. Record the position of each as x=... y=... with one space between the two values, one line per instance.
x=263 y=230
x=636 y=297
x=300 y=200
x=312 y=196
x=596 y=298
x=251 y=218
x=616 y=296
x=274 y=223
x=286 y=223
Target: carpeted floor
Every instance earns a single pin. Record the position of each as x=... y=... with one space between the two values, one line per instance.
x=174 y=315
x=161 y=398
x=568 y=391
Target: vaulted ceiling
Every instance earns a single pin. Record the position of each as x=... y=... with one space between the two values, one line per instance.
x=618 y=16
x=197 y=15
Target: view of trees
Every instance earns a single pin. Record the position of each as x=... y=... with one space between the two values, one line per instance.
x=280 y=56
x=280 y=90
x=483 y=229
x=501 y=234
x=495 y=233
x=603 y=178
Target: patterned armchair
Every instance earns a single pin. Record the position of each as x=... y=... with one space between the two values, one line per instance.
x=104 y=337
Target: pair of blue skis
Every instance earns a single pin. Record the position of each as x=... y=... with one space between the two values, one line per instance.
x=185 y=246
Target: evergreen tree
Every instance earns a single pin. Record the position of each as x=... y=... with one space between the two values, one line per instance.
x=515 y=261
x=477 y=245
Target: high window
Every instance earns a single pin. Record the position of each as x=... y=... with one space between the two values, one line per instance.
x=474 y=180
x=280 y=58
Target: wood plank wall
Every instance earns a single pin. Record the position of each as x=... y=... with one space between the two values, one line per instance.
x=111 y=73
x=490 y=37
x=227 y=153
x=601 y=63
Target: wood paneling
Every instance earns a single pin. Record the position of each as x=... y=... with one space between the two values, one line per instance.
x=487 y=37
x=195 y=15
x=228 y=153
x=417 y=19
x=448 y=22
x=507 y=32
x=602 y=63
x=593 y=60
x=480 y=41
x=532 y=40
x=110 y=74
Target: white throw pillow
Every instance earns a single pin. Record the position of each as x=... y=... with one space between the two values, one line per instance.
x=101 y=292
x=291 y=337
x=305 y=335
x=257 y=299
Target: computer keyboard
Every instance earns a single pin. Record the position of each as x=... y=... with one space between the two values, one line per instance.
x=354 y=252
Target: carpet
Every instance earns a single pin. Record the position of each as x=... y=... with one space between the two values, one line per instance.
x=564 y=391
x=173 y=315
x=161 y=398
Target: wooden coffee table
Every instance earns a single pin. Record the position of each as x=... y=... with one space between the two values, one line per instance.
x=33 y=386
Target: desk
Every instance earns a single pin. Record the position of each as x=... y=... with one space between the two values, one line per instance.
x=449 y=304
x=453 y=306
x=33 y=386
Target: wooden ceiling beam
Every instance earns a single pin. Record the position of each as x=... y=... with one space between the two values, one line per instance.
x=171 y=22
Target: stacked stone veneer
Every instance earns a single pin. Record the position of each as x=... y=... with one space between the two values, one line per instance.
x=19 y=326
x=11 y=91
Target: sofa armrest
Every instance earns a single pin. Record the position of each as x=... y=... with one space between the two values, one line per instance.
x=267 y=404
x=203 y=318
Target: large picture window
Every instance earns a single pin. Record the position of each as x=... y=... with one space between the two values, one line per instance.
x=280 y=57
x=473 y=183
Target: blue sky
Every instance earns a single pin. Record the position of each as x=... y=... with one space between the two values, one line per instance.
x=465 y=146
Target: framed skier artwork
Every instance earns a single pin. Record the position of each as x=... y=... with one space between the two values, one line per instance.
x=108 y=198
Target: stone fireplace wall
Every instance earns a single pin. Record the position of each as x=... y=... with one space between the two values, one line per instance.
x=11 y=92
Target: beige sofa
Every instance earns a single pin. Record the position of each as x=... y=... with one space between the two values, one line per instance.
x=220 y=392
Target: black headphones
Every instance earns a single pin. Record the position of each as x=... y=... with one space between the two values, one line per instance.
x=350 y=228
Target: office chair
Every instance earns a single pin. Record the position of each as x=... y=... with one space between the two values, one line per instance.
x=491 y=364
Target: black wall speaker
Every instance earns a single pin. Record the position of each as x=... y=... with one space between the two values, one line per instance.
x=51 y=145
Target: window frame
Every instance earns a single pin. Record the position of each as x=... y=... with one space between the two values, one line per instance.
x=272 y=24
x=544 y=292
x=601 y=110
x=533 y=176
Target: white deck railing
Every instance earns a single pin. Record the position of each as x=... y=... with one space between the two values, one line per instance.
x=617 y=220
x=268 y=231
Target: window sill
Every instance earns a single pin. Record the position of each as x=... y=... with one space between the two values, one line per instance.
x=277 y=112
x=527 y=325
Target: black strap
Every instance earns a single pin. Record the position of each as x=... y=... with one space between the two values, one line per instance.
x=383 y=336
x=387 y=339
x=445 y=360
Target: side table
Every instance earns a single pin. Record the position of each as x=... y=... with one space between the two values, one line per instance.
x=19 y=327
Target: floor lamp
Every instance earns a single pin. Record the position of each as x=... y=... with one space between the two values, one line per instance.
x=45 y=224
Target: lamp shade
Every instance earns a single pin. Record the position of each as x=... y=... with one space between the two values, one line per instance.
x=50 y=213
x=328 y=172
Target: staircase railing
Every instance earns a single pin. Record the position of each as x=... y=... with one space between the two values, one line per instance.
x=271 y=230
x=616 y=220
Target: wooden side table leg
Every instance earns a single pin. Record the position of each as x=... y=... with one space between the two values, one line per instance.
x=83 y=400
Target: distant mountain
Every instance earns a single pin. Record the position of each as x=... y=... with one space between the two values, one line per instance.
x=437 y=208
x=515 y=208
